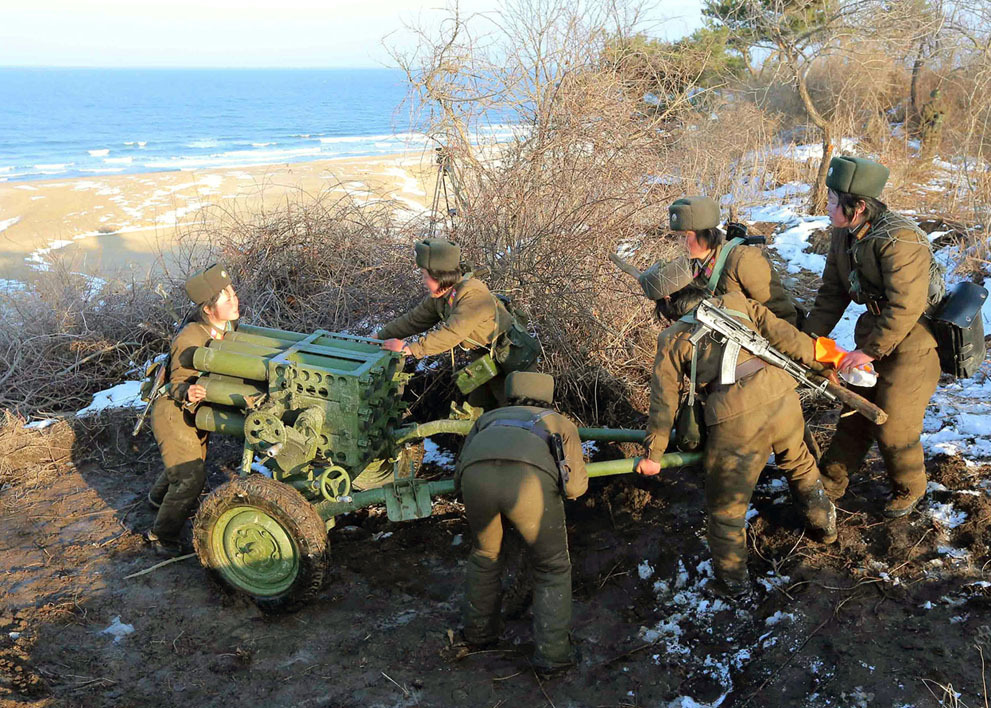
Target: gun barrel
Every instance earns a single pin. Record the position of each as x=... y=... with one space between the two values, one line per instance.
x=461 y=427
x=629 y=465
x=329 y=339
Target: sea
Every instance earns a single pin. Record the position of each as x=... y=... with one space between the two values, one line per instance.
x=57 y=123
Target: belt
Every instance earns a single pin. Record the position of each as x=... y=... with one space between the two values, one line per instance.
x=875 y=305
x=747 y=368
x=750 y=366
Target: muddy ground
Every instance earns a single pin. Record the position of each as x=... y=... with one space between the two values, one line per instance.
x=894 y=614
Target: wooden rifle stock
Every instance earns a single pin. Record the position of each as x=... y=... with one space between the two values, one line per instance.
x=851 y=400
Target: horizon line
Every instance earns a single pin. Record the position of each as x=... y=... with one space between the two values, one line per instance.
x=192 y=68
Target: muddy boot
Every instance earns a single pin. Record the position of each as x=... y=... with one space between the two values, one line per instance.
x=819 y=513
x=731 y=589
x=834 y=482
x=483 y=599
x=166 y=547
x=549 y=669
x=901 y=504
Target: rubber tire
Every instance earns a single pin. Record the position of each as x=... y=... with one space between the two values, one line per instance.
x=292 y=511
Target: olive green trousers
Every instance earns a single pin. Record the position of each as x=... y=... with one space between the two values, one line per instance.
x=183 y=449
x=906 y=382
x=529 y=499
x=736 y=452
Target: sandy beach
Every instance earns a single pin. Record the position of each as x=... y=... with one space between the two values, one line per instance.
x=124 y=224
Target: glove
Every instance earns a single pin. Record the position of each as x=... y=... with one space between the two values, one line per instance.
x=829 y=352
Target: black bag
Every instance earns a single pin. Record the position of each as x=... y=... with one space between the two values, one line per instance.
x=516 y=350
x=959 y=330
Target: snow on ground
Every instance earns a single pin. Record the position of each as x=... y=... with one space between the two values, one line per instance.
x=123 y=395
x=409 y=184
x=792 y=245
x=958 y=421
x=434 y=455
x=802 y=153
x=692 y=613
x=7 y=223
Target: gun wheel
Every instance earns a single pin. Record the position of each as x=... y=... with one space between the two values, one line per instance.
x=262 y=538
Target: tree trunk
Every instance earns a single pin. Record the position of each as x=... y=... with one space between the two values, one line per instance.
x=817 y=200
x=912 y=115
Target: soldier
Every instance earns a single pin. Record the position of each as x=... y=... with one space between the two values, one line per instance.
x=458 y=311
x=512 y=468
x=882 y=260
x=746 y=420
x=721 y=267
x=182 y=445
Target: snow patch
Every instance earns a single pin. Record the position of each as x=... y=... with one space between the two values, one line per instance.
x=123 y=395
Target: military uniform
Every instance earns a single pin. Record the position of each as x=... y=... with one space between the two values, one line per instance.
x=886 y=266
x=746 y=420
x=469 y=316
x=506 y=472
x=747 y=270
x=182 y=445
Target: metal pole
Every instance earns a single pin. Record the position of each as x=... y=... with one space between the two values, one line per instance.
x=628 y=465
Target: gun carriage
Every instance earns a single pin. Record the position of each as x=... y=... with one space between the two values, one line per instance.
x=320 y=418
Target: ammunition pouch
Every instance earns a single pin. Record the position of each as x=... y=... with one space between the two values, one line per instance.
x=689 y=432
x=479 y=372
x=959 y=330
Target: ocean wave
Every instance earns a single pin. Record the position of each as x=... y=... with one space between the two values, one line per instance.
x=267 y=154
x=261 y=145
x=205 y=143
x=99 y=153
x=395 y=137
x=233 y=158
x=139 y=143
x=6 y=169
x=118 y=160
x=102 y=170
x=6 y=224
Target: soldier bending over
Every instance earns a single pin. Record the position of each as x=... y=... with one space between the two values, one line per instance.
x=517 y=465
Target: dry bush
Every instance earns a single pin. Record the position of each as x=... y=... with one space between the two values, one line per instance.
x=592 y=168
x=326 y=262
x=316 y=263
x=65 y=336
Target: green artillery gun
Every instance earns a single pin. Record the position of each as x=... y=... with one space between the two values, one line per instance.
x=320 y=418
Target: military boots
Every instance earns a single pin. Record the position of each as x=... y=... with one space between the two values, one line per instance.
x=819 y=513
x=901 y=504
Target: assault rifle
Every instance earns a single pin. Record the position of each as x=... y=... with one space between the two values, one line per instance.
x=156 y=381
x=738 y=336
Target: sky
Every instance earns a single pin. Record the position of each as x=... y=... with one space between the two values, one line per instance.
x=237 y=33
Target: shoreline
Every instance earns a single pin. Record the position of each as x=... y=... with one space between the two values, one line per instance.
x=123 y=224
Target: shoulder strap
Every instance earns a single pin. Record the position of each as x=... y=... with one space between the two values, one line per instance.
x=697 y=337
x=717 y=269
x=528 y=425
